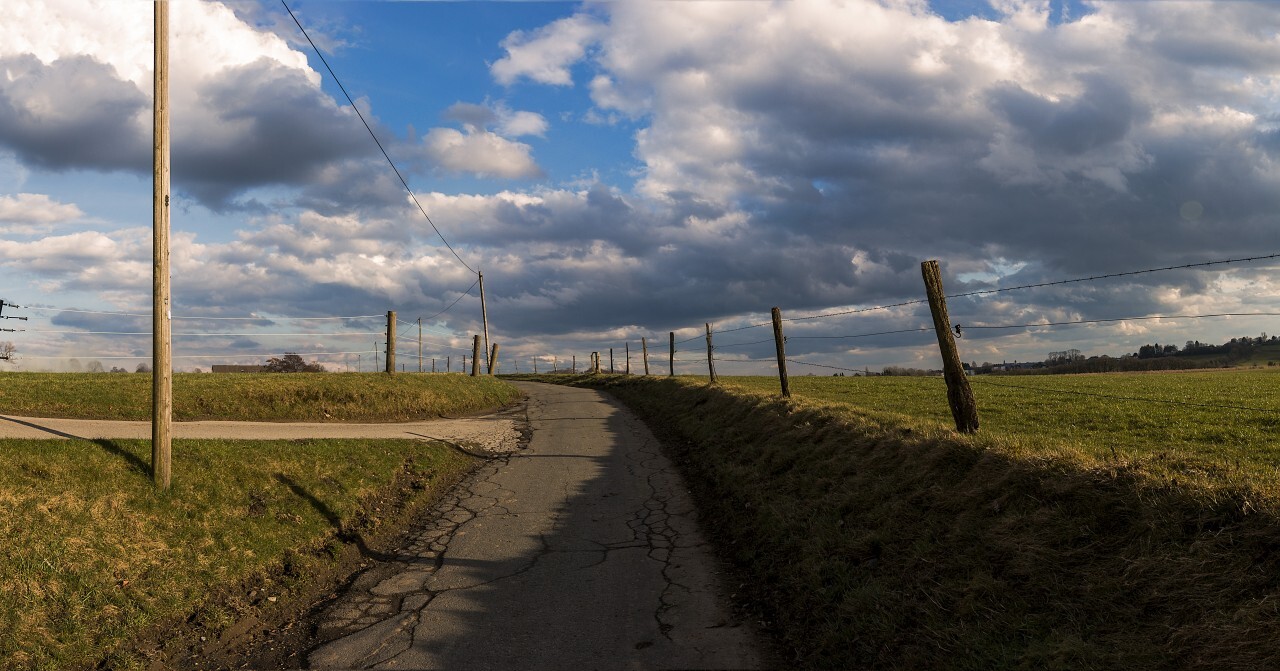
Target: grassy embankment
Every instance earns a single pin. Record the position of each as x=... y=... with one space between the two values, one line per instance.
x=95 y=559
x=314 y=397
x=1073 y=532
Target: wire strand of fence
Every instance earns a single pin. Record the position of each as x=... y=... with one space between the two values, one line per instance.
x=376 y=141
x=744 y=344
x=854 y=311
x=1123 y=319
x=1200 y=264
x=823 y=365
x=859 y=335
x=1146 y=399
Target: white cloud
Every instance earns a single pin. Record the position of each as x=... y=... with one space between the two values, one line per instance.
x=480 y=152
x=518 y=124
x=36 y=208
x=545 y=55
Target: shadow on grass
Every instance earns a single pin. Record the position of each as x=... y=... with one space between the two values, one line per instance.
x=134 y=460
x=343 y=534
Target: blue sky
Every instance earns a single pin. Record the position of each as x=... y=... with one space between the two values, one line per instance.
x=625 y=169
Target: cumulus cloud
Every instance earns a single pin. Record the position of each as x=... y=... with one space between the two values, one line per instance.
x=36 y=208
x=483 y=153
x=545 y=55
x=247 y=110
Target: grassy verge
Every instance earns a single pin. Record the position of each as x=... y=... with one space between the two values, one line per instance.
x=876 y=539
x=337 y=397
x=93 y=554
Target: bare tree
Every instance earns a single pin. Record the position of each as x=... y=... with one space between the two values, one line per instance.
x=7 y=350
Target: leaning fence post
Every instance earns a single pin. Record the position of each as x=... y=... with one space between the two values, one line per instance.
x=644 y=352
x=959 y=396
x=779 y=341
x=711 y=361
x=672 y=357
x=475 y=357
x=493 y=359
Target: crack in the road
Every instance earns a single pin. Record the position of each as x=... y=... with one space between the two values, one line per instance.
x=399 y=591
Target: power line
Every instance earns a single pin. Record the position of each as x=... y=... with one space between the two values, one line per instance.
x=375 y=137
x=455 y=301
x=850 y=312
x=255 y=335
x=148 y=314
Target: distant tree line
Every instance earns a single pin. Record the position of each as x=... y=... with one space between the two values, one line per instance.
x=1153 y=357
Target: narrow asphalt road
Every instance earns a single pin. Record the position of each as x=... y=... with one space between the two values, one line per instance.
x=581 y=551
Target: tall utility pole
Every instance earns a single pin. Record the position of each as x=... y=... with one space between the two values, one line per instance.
x=433 y=361
x=484 y=319
x=161 y=330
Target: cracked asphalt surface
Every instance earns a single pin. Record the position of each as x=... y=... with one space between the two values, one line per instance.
x=580 y=551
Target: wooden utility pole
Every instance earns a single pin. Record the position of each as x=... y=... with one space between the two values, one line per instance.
x=433 y=361
x=628 y=368
x=644 y=353
x=161 y=325
x=484 y=320
x=711 y=361
x=780 y=341
x=959 y=396
x=475 y=357
x=391 y=342
x=611 y=361
x=671 y=358
x=493 y=359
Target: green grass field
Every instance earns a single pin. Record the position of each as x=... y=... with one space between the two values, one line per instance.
x=1135 y=414
x=318 y=397
x=94 y=554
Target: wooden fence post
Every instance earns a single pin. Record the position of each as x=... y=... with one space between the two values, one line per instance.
x=573 y=364
x=711 y=361
x=671 y=358
x=628 y=368
x=779 y=341
x=644 y=353
x=475 y=356
x=959 y=396
x=161 y=324
x=493 y=359
x=611 y=361
x=391 y=342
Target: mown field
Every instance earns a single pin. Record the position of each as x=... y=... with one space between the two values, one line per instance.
x=1072 y=532
x=316 y=397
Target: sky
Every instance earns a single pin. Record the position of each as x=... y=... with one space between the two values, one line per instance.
x=628 y=169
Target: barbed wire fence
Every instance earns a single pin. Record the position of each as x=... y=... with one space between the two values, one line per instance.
x=956 y=374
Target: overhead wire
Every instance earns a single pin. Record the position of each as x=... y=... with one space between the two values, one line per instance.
x=376 y=141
